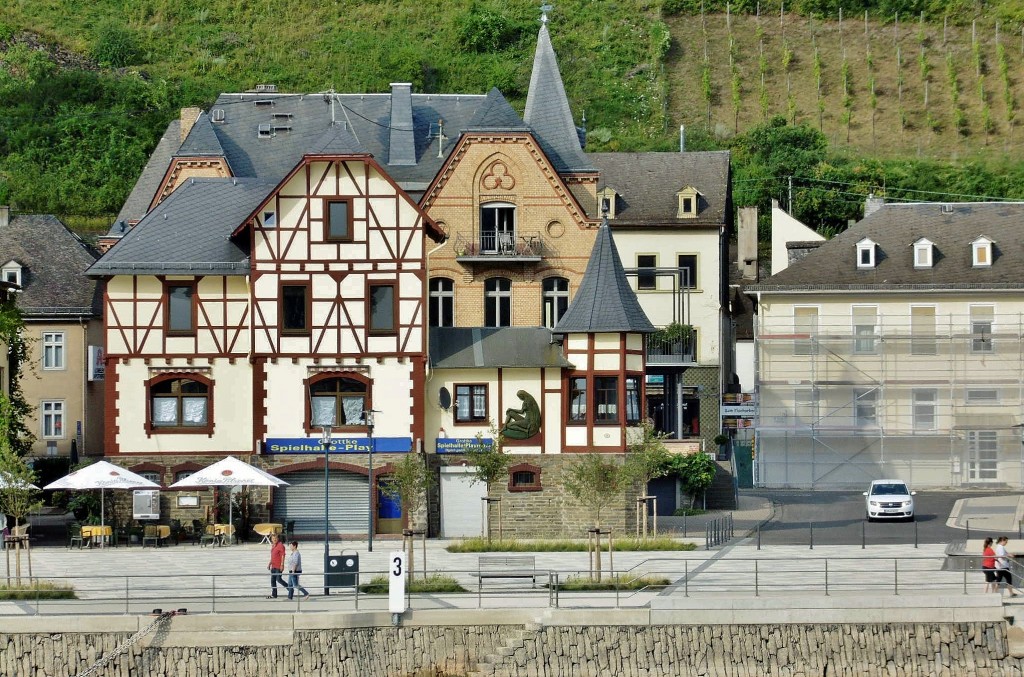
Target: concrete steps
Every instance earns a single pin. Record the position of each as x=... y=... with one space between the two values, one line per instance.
x=518 y=653
x=720 y=495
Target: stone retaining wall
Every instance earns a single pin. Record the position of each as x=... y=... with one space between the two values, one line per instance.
x=619 y=651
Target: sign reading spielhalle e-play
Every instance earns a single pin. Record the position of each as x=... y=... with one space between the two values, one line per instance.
x=339 y=445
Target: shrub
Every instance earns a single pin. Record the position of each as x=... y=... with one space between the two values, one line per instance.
x=378 y=585
x=37 y=590
x=479 y=544
x=616 y=583
x=115 y=46
x=488 y=30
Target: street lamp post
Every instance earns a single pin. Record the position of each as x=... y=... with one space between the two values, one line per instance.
x=368 y=419
x=325 y=440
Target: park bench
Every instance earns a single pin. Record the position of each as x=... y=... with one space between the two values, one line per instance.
x=507 y=566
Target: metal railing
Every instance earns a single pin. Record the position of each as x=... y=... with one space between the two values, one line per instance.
x=679 y=351
x=500 y=245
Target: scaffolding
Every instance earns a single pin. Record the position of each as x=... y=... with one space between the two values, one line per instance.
x=933 y=399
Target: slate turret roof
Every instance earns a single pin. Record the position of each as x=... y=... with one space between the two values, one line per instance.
x=202 y=140
x=548 y=113
x=894 y=228
x=604 y=302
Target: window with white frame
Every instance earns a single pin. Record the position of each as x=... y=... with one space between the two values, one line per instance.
x=865 y=319
x=922 y=330
x=982 y=318
x=12 y=272
x=497 y=227
x=865 y=407
x=498 y=302
x=52 y=419
x=866 y=253
x=53 y=350
x=982 y=455
x=805 y=326
x=151 y=476
x=470 y=403
x=981 y=250
x=555 y=291
x=925 y=400
x=923 y=253
x=982 y=395
x=442 y=302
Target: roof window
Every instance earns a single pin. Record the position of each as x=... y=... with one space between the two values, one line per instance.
x=866 y=253
x=981 y=250
x=688 y=206
x=606 y=202
x=923 y=250
x=264 y=131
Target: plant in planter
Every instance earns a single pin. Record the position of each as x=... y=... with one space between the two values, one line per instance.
x=673 y=332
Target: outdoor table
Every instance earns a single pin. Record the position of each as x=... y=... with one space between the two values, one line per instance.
x=223 y=531
x=268 y=529
x=95 y=531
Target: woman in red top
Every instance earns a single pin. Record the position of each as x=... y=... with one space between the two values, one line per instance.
x=988 y=565
x=276 y=566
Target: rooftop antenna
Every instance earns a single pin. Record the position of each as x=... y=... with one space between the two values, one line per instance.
x=437 y=131
x=544 y=10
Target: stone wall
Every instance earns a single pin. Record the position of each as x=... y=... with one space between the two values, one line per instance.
x=979 y=649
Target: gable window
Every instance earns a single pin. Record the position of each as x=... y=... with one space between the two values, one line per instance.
x=470 y=403
x=524 y=477
x=578 y=399
x=981 y=329
x=865 y=407
x=295 y=308
x=646 y=278
x=606 y=202
x=53 y=350
x=687 y=203
x=805 y=326
x=606 y=399
x=687 y=270
x=52 y=419
x=924 y=408
x=180 y=308
x=12 y=272
x=442 y=302
x=864 y=327
x=383 y=309
x=922 y=330
x=866 y=254
x=982 y=252
x=338 y=401
x=339 y=220
x=923 y=253
x=498 y=302
x=269 y=219
x=180 y=403
x=556 y=300
x=497 y=227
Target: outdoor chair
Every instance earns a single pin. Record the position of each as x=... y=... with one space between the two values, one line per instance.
x=177 y=529
x=75 y=536
x=209 y=536
x=150 y=533
x=198 y=529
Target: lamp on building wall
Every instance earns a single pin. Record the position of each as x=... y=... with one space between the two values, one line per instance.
x=368 y=420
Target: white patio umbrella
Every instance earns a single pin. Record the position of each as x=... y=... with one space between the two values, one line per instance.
x=102 y=475
x=5 y=482
x=230 y=472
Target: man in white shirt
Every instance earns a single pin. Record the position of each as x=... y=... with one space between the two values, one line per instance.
x=1003 y=573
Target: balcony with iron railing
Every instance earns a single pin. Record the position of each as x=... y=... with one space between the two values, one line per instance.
x=672 y=352
x=500 y=246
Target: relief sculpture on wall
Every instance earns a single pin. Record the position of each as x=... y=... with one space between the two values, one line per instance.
x=522 y=423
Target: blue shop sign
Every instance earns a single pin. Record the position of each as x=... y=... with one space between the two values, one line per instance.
x=459 y=445
x=339 y=445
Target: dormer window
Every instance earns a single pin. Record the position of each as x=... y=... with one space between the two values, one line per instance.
x=923 y=249
x=11 y=272
x=866 y=253
x=687 y=203
x=606 y=199
x=981 y=249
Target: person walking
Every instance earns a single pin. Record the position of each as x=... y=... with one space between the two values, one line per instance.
x=1003 y=574
x=988 y=566
x=276 y=566
x=293 y=564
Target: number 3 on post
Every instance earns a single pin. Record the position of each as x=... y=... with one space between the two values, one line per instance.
x=396 y=582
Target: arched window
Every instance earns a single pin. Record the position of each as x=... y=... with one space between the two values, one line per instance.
x=556 y=300
x=338 y=401
x=442 y=302
x=498 y=302
x=181 y=404
x=150 y=475
x=497 y=227
x=183 y=474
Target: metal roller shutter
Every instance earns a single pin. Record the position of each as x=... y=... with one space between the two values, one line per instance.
x=461 y=509
x=303 y=501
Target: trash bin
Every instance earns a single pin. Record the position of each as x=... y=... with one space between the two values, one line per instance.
x=341 y=571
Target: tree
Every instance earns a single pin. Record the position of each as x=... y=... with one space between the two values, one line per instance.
x=17 y=493
x=594 y=482
x=695 y=471
x=646 y=459
x=490 y=465
x=16 y=434
x=409 y=482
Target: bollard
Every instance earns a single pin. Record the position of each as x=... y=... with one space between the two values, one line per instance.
x=896 y=577
x=826 y=578
x=684 y=525
x=757 y=592
x=686 y=578
x=915 y=534
x=863 y=535
x=810 y=525
x=968 y=530
x=758 y=535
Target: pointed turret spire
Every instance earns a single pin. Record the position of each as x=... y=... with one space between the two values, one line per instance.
x=547 y=108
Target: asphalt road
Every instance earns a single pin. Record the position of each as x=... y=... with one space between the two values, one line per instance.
x=837 y=518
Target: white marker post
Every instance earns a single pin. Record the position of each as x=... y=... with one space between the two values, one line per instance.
x=396 y=582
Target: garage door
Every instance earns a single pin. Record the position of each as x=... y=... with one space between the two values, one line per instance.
x=460 y=502
x=303 y=501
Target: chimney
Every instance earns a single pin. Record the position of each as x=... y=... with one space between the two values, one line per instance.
x=872 y=204
x=188 y=119
x=5 y=216
x=402 y=146
x=746 y=241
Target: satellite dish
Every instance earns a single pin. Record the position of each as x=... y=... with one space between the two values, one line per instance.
x=444 y=398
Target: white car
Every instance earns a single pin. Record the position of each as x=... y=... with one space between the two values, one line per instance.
x=889 y=499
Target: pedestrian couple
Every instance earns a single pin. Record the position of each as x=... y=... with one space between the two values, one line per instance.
x=281 y=563
x=995 y=563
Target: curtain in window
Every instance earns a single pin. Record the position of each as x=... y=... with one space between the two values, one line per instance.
x=323 y=411
x=353 y=410
x=165 y=410
x=193 y=410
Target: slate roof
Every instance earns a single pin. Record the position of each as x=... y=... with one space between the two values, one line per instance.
x=894 y=228
x=202 y=140
x=53 y=260
x=148 y=183
x=647 y=184
x=604 y=302
x=496 y=113
x=548 y=113
x=480 y=347
x=188 y=233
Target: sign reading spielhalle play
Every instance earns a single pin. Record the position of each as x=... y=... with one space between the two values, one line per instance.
x=459 y=445
x=339 y=445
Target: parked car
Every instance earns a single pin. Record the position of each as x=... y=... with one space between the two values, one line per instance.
x=889 y=499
